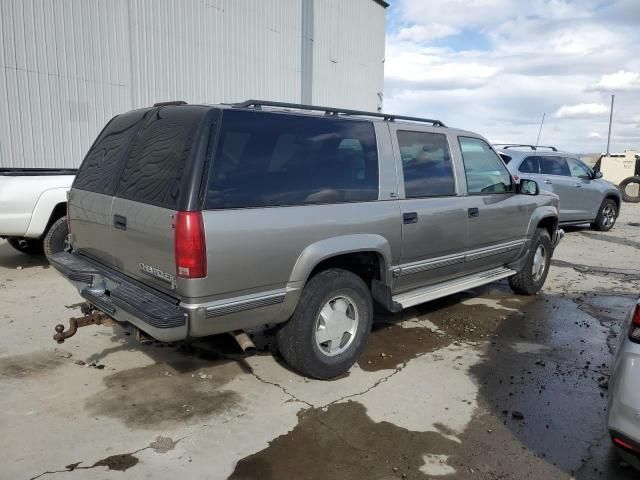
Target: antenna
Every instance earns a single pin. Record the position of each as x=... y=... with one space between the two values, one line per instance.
x=540 y=131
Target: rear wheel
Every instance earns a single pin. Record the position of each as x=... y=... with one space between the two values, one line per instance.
x=31 y=246
x=531 y=278
x=55 y=240
x=330 y=326
x=607 y=216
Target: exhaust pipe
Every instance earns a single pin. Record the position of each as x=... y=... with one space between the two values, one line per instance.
x=22 y=243
x=244 y=342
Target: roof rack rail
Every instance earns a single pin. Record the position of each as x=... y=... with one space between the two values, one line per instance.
x=506 y=146
x=257 y=104
x=168 y=104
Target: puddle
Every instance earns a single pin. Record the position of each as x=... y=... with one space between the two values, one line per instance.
x=29 y=364
x=120 y=462
x=167 y=393
x=390 y=345
x=344 y=443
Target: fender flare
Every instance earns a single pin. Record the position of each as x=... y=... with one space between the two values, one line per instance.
x=325 y=249
x=539 y=214
x=43 y=210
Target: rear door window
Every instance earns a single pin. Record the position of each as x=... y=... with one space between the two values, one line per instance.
x=530 y=165
x=267 y=159
x=153 y=172
x=483 y=167
x=551 y=165
x=101 y=167
x=426 y=164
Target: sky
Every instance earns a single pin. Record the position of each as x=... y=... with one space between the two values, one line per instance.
x=496 y=66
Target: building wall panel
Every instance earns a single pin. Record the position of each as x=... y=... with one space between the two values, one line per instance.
x=68 y=66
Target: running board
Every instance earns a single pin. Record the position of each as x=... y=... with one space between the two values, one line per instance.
x=432 y=292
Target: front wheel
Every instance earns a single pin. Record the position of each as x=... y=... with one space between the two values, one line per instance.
x=607 y=216
x=330 y=326
x=531 y=278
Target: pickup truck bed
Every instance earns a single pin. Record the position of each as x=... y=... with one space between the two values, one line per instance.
x=32 y=200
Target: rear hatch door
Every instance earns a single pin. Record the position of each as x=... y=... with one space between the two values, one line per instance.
x=155 y=183
x=91 y=196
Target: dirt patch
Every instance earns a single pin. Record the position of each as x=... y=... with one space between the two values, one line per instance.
x=163 y=444
x=391 y=344
x=29 y=364
x=167 y=393
x=468 y=316
x=344 y=443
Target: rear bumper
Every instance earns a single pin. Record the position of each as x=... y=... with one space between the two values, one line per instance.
x=151 y=311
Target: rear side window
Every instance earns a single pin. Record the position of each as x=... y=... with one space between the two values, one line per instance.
x=101 y=167
x=483 y=167
x=154 y=170
x=426 y=163
x=530 y=165
x=554 y=166
x=267 y=159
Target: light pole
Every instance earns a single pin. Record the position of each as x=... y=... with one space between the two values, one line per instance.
x=610 y=122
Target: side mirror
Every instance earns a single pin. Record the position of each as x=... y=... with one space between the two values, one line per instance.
x=528 y=187
x=597 y=174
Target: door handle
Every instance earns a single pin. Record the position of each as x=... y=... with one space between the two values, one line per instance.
x=410 y=217
x=578 y=185
x=473 y=212
x=548 y=182
x=120 y=222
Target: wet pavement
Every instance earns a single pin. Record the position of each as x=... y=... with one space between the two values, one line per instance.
x=484 y=384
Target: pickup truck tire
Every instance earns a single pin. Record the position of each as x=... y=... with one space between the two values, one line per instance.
x=55 y=240
x=330 y=326
x=531 y=278
x=607 y=216
x=31 y=246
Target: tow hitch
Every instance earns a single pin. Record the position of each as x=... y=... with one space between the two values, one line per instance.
x=91 y=317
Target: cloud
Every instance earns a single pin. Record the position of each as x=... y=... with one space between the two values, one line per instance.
x=581 y=110
x=509 y=62
x=619 y=81
x=595 y=135
x=423 y=33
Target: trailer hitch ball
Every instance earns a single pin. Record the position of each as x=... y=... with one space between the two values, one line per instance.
x=95 y=318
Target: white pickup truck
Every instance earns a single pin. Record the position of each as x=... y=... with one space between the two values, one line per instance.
x=33 y=208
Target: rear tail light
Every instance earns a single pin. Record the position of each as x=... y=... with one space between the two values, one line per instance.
x=634 y=331
x=190 y=246
x=626 y=445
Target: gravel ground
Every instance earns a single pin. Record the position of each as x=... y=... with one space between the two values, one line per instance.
x=481 y=385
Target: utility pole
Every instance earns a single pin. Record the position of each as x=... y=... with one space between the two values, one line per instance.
x=540 y=131
x=610 y=122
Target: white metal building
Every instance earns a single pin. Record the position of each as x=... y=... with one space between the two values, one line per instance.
x=70 y=65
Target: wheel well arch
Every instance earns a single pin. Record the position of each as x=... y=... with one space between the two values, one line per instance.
x=59 y=211
x=615 y=198
x=369 y=265
x=550 y=224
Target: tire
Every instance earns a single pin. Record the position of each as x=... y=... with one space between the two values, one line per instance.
x=300 y=340
x=30 y=246
x=525 y=282
x=607 y=216
x=55 y=240
x=623 y=185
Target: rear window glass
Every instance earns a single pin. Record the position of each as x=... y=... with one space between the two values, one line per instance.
x=268 y=159
x=101 y=167
x=154 y=170
x=530 y=165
